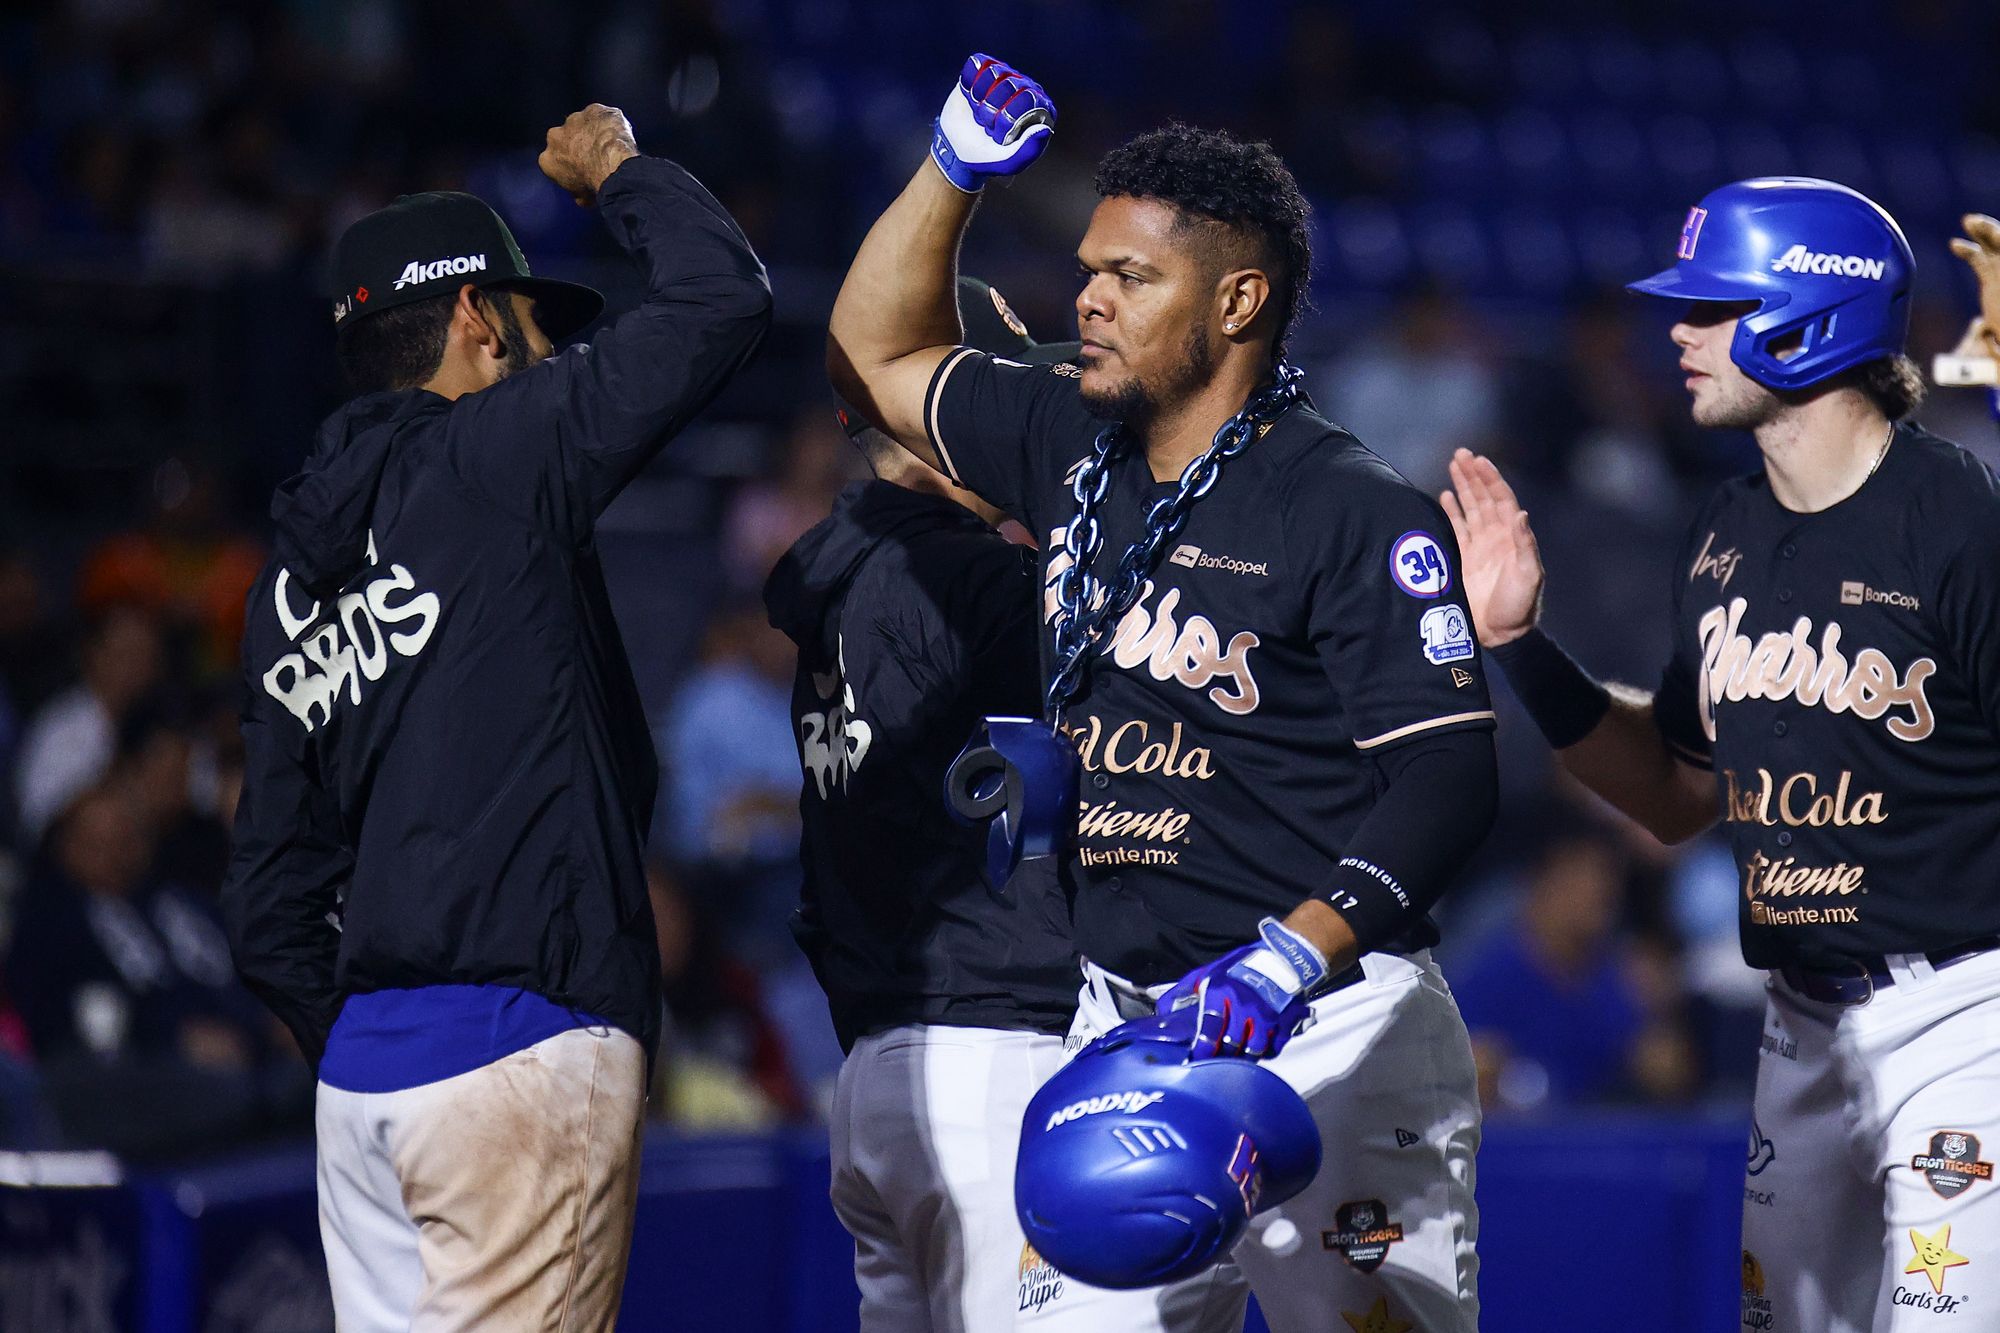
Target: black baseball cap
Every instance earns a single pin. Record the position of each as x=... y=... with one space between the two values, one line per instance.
x=992 y=326
x=431 y=244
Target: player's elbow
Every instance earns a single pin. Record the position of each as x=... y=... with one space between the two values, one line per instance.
x=742 y=301
x=1481 y=786
x=846 y=378
x=1672 y=810
x=1676 y=822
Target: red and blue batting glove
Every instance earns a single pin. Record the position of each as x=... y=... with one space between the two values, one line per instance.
x=996 y=122
x=1251 y=1001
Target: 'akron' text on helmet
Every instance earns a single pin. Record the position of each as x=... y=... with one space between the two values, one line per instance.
x=1128 y=1102
x=1798 y=259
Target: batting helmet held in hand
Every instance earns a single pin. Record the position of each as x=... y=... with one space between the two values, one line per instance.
x=1138 y=1167
x=1828 y=268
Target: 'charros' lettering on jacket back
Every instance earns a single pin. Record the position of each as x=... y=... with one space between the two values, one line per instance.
x=338 y=651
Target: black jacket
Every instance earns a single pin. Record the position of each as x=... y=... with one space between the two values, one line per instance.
x=913 y=620
x=449 y=771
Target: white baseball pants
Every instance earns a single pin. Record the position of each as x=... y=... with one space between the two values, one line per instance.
x=1869 y=1203
x=926 y=1120
x=498 y=1199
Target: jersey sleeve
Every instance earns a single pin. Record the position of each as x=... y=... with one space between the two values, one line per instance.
x=1005 y=430
x=1968 y=601
x=1385 y=609
x=1677 y=702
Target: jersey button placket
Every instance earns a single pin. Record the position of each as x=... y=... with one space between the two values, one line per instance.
x=1780 y=727
x=1785 y=838
x=1099 y=781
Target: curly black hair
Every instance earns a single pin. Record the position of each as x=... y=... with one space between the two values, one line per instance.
x=1210 y=176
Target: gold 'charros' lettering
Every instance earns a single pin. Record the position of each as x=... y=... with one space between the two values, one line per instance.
x=1779 y=666
x=1192 y=653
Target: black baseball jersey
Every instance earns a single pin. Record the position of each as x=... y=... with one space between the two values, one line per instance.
x=1306 y=619
x=1840 y=671
x=913 y=620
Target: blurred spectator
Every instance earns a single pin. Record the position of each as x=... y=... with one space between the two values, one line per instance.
x=1565 y=1009
x=31 y=666
x=71 y=742
x=26 y=1123
x=148 y=1045
x=186 y=565
x=1726 y=995
x=722 y=1063
x=157 y=763
x=768 y=516
x=732 y=776
x=32 y=660
x=1419 y=389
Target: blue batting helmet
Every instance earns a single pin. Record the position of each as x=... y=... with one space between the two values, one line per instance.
x=1139 y=1167
x=1824 y=264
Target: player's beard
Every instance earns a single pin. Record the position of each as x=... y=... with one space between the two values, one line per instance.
x=1135 y=402
x=517 y=356
x=1739 y=403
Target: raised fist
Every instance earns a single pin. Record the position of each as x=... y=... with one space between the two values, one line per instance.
x=586 y=148
x=995 y=122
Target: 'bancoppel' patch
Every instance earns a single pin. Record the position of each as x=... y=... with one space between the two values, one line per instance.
x=1447 y=634
x=1417 y=563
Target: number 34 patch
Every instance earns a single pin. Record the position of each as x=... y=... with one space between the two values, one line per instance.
x=1418 y=565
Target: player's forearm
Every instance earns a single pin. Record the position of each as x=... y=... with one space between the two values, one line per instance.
x=1608 y=738
x=1435 y=810
x=900 y=295
x=1625 y=761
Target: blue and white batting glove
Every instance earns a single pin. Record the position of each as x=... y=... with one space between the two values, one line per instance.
x=1248 y=1002
x=996 y=122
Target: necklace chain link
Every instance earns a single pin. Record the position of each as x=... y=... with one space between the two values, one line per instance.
x=1087 y=606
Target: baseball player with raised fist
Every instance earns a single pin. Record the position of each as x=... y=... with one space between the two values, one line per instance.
x=1260 y=678
x=437 y=880
x=1833 y=697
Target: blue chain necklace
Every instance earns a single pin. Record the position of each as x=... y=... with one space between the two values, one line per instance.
x=1088 y=607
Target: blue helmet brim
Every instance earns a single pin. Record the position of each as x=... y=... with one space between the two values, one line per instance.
x=1680 y=284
